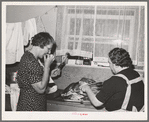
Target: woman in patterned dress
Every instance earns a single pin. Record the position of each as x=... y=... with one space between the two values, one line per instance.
x=32 y=77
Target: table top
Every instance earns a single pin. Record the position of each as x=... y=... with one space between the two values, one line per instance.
x=56 y=99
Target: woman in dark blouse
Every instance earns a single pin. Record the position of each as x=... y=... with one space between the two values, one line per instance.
x=32 y=77
x=124 y=91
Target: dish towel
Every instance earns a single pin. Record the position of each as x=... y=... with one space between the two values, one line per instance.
x=29 y=30
x=14 y=42
x=14 y=92
x=14 y=96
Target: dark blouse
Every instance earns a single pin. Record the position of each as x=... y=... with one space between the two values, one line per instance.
x=30 y=72
x=113 y=92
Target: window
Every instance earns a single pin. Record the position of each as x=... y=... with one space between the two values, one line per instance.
x=92 y=31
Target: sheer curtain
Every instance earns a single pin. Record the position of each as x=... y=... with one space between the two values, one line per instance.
x=115 y=27
x=94 y=30
x=74 y=33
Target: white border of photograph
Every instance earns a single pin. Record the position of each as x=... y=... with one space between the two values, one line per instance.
x=71 y=115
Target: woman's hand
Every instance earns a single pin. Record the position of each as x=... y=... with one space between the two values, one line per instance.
x=48 y=60
x=84 y=86
x=55 y=72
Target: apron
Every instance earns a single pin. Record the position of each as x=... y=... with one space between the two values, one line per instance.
x=128 y=93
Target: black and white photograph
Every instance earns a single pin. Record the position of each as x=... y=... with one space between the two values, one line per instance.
x=74 y=60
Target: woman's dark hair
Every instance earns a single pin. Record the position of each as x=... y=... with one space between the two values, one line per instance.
x=120 y=57
x=42 y=39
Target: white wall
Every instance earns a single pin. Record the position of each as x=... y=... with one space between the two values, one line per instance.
x=20 y=13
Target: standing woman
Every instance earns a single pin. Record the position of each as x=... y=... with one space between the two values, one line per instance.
x=32 y=77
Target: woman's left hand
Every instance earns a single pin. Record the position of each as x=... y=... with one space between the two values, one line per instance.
x=55 y=72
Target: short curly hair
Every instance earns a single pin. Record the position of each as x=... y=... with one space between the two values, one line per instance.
x=42 y=39
x=120 y=57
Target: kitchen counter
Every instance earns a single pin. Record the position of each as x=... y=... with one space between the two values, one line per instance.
x=56 y=103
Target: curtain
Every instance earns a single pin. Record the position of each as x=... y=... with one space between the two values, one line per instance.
x=95 y=30
x=141 y=38
x=73 y=30
x=115 y=27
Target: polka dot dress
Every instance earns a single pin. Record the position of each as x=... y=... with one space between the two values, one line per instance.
x=30 y=72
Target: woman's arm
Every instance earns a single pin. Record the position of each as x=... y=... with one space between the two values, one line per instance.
x=40 y=87
x=55 y=72
x=91 y=95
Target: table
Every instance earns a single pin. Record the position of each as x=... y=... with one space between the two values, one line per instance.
x=56 y=103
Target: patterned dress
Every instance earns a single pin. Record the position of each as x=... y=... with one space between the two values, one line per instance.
x=30 y=72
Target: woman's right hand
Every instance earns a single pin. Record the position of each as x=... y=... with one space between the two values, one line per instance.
x=84 y=86
x=55 y=72
x=48 y=60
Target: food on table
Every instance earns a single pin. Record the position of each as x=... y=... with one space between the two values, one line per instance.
x=73 y=92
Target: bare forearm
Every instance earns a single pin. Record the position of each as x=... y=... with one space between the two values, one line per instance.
x=93 y=98
x=45 y=78
x=40 y=87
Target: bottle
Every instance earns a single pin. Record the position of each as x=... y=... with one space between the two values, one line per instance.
x=64 y=61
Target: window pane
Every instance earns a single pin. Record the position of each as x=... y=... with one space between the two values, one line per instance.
x=88 y=27
x=87 y=47
x=120 y=29
x=87 y=39
x=99 y=27
x=72 y=26
x=102 y=50
x=125 y=47
x=71 y=39
x=98 y=50
x=110 y=28
x=113 y=12
x=129 y=12
x=70 y=45
x=104 y=40
x=126 y=29
x=106 y=28
x=88 y=11
x=78 y=26
x=76 y=45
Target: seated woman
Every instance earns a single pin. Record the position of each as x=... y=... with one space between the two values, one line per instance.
x=124 y=90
